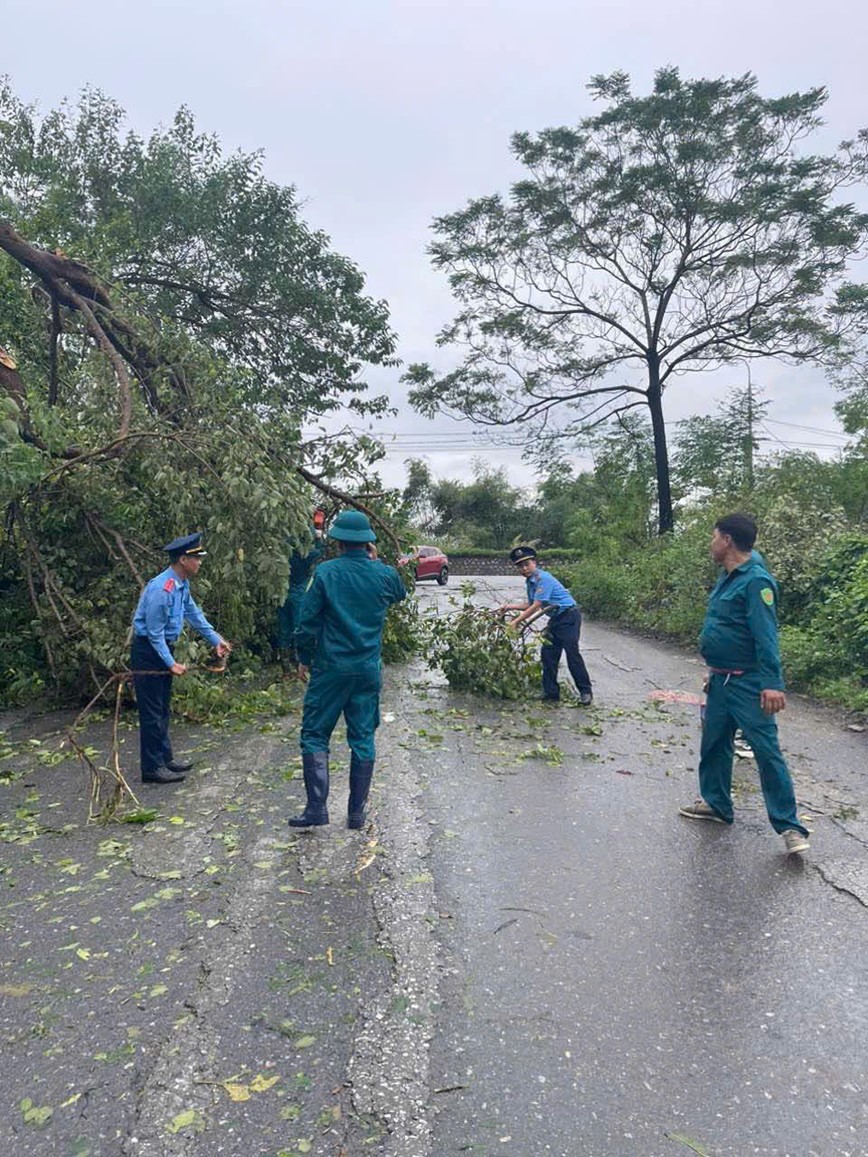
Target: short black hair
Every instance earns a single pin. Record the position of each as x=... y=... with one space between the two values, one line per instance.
x=741 y=528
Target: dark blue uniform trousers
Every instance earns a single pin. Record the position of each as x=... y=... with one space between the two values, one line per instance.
x=153 y=696
x=331 y=693
x=561 y=636
x=734 y=701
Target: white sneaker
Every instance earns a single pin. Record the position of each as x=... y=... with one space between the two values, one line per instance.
x=794 y=841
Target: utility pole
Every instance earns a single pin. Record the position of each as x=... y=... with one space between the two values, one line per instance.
x=748 y=457
x=753 y=416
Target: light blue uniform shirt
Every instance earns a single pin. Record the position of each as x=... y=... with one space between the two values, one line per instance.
x=544 y=588
x=165 y=605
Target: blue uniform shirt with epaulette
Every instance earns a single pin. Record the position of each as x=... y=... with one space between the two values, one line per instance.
x=740 y=632
x=340 y=624
x=164 y=606
x=544 y=588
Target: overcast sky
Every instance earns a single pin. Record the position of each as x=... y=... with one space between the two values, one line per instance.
x=386 y=113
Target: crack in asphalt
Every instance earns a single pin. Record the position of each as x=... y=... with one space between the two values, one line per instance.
x=174 y=1084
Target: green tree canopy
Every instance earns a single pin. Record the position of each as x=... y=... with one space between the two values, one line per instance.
x=416 y=495
x=852 y=369
x=671 y=233
x=486 y=512
x=168 y=325
x=197 y=242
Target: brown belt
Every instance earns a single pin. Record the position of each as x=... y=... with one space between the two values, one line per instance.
x=724 y=671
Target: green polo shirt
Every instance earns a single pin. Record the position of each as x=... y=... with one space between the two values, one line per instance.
x=340 y=623
x=740 y=632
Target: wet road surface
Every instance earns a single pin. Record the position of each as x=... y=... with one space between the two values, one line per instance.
x=527 y=952
x=620 y=980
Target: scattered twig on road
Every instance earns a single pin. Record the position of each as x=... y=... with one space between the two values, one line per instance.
x=688 y=1142
x=505 y=924
x=629 y=670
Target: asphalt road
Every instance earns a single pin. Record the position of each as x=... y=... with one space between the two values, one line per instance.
x=527 y=952
x=619 y=980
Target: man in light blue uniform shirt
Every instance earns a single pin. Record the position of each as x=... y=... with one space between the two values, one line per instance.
x=545 y=593
x=164 y=606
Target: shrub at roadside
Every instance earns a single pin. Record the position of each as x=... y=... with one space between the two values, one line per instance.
x=662 y=589
x=599 y=586
x=824 y=633
x=827 y=652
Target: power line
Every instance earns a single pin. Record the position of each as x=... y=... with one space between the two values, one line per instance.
x=809 y=429
x=772 y=436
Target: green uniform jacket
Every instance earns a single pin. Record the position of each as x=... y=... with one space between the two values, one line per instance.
x=300 y=567
x=740 y=632
x=340 y=624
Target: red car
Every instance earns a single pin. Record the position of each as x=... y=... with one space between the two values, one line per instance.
x=429 y=562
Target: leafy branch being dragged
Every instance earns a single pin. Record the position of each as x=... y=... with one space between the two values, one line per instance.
x=476 y=652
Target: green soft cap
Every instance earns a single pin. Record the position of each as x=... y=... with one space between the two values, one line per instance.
x=352 y=526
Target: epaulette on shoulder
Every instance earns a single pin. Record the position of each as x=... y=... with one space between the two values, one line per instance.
x=169 y=585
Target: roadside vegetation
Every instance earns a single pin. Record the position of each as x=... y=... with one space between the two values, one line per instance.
x=596 y=531
x=171 y=330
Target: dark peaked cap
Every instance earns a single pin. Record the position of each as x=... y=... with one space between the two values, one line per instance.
x=187 y=544
x=520 y=553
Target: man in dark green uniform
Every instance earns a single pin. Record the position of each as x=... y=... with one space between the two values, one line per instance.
x=338 y=637
x=739 y=642
x=301 y=566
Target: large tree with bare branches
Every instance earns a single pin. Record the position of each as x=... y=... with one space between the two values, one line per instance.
x=669 y=234
x=168 y=325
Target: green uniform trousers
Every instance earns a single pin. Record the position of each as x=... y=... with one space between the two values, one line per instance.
x=331 y=693
x=287 y=618
x=734 y=701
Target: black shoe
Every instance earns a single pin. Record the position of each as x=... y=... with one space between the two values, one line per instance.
x=309 y=819
x=549 y=698
x=162 y=775
x=179 y=765
x=586 y=698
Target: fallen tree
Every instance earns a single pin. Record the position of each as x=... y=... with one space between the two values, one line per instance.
x=168 y=328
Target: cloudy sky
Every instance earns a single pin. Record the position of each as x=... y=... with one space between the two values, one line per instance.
x=386 y=113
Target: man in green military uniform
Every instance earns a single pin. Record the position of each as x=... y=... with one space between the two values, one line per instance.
x=301 y=566
x=739 y=642
x=338 y=638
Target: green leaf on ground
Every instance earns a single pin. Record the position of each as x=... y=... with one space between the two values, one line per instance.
x=189 y=1119
x=34 y=1115
x=691 y=1144
x=144 y=815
